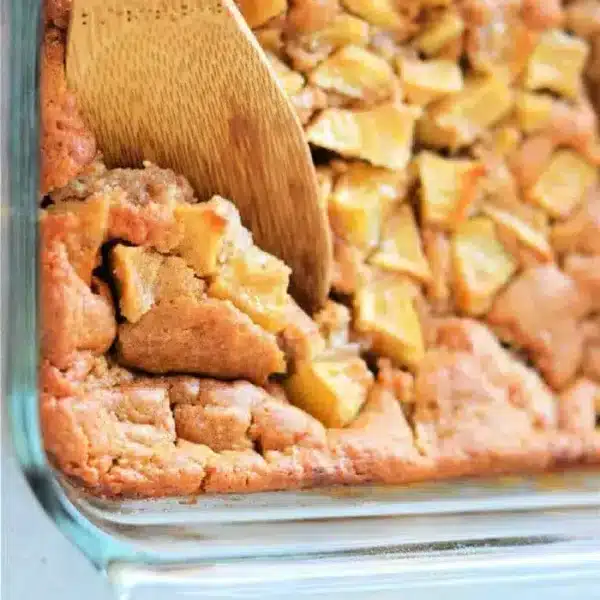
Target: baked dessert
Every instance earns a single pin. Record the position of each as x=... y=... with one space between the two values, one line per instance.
x=457 y=150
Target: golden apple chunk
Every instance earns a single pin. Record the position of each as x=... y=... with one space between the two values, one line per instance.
x=482 y=265
x=333 y=391
x=563 y=184
x=212 y=233
x=256 y=283
x=448 y=188
x=385 y=311
x=400 y=248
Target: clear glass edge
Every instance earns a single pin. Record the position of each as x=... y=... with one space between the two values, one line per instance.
x=85 y=520
x=21 y=21
x=563 y=571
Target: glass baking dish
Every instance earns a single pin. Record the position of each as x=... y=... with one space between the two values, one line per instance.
x=526 y=535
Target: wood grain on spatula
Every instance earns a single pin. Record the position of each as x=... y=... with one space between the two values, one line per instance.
x=185 y=85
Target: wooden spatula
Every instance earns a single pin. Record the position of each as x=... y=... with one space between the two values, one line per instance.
x=184 y=84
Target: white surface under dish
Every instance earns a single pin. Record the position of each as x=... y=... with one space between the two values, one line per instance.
x=38 y=561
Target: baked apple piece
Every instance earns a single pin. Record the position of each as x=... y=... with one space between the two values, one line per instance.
x=256 y=283
x=173 y=326
x=331 y=389
x=385 y=312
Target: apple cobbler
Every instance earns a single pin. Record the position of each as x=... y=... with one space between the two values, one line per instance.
x=457 y=152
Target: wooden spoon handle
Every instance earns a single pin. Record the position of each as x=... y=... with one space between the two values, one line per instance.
x=185 y=84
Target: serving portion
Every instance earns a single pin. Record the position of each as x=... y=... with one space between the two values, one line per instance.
x=458 y=157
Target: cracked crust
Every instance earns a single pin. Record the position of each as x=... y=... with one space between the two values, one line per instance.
x=67 y=145
x=207 y=336
x=142 y=202
x=541 y=311
x=74 y=315
x=183 y=435
x=578 y=410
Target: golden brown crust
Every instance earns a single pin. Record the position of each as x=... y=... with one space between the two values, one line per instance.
x=142 y=202
x=120 y=442
x=542 y=14
x=585 y=271
x=591 y=358
x=81 y=228
x=593 y=73
x=591 y=361
x=581 y=232
x=577 y=408
x=474 y=402
x=58 y=12
x=210 y=337
x=240 y=416
x=73 y=316
x=540 y=311
x=67 y=145
x=182 y=435
x=583 y=19
x=528 y=391
x=379 y=445
x=578 y=413
x=300 y=338
x=142 y=187
x=305 y=16
x=130 y=439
